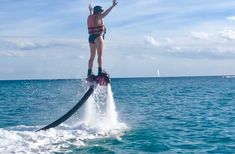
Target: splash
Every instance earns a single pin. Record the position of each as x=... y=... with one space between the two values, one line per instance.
x=100 y=121
x=23 y=140
x=100 y=111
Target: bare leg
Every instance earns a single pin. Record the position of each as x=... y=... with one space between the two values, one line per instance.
x=92 y=55
x=99 y=42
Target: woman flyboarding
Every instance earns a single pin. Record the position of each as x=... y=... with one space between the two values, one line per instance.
x=96 y=30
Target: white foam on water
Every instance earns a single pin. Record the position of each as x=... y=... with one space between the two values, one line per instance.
x=100 y=120
x=27 y=142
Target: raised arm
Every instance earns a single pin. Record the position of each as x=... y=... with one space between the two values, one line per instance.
x=106 y=12
x=91 y=9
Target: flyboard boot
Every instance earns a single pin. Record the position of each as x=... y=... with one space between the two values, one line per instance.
x=101 y=79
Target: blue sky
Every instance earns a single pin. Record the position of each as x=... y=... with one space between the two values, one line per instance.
x=48 y=39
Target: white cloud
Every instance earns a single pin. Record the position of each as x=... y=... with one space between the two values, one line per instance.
x=201 y=35
x=176 y=48
x=152 y=41
x=22 y=43
x=12 y=54
x=231 y=18
x=168 y=40
x=228 y=34
x=30 y=43
x=207 y=45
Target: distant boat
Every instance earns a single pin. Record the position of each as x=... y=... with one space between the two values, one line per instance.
x=158 y=73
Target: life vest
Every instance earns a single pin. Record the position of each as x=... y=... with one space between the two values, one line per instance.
x=93 y=28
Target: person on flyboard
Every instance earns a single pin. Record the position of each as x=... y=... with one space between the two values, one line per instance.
x=97 y=30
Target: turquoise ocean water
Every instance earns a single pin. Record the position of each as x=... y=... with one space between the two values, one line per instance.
x=144 y=115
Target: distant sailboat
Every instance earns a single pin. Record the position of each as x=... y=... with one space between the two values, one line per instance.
x=158 y=73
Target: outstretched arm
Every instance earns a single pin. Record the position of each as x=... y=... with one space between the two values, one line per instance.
x=106 y=12
x=91 y=9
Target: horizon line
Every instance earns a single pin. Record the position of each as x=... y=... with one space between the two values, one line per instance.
x=138 y=77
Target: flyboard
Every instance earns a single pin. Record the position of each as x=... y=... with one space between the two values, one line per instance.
x=101 y=79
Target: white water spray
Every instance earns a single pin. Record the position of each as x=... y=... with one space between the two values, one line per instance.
x=100 y=110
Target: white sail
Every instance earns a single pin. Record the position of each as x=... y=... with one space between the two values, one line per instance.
x=158 y=73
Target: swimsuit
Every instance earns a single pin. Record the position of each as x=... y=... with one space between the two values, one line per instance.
x=92 y=37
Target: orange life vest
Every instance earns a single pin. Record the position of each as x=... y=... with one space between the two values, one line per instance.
x=93 y=28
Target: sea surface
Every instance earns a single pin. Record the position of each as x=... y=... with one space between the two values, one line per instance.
x=133 y=115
